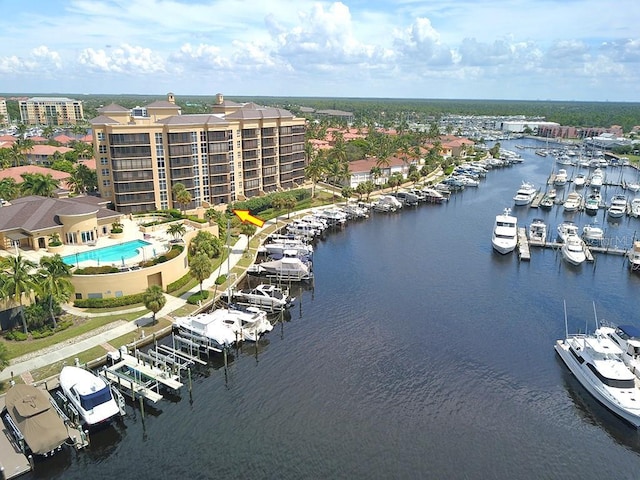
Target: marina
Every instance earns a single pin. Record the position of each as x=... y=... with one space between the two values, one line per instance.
x=364 y=340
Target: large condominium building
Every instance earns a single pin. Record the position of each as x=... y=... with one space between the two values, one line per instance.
x=51 y=111
x=4 y=114
x=235 y=152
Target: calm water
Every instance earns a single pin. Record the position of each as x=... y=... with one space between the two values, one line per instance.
x=418 y=353
x=114 y=253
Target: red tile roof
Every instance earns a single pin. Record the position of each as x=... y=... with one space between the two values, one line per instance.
x=64 y=139
x=16 y=172
x=48 y=150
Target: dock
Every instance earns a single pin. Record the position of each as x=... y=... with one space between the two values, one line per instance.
x=523 y=244
x=535 y=203
x=12 y=461
x=139 y=377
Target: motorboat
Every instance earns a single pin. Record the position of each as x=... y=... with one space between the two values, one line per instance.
x=265 y=296
x=633 y=186
x=617 y=206
x=33 y=420
x=560 y=179
x=634 y=256
x=597 y=178
x=277 y=245
x=573 y=202
x=505 y=232
x=89 y=394
x=565 y=229
x=579 y=180
x=209 y=327
x=247 y=325
x=552 y=193
x=433 y=196
x=525 y=194
x=287 y=268
x=593 y=234
x=387 y=203
x=546 y=203
x=635 y=207
x=592 y=204
x=538 y=231
x=595 y=362
x=573 y=250
x=627 y=337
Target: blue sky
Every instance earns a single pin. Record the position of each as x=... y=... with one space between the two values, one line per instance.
x=485 y=49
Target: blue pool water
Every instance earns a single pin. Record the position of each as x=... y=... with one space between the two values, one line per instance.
x=107 y=255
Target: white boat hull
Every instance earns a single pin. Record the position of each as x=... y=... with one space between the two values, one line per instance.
x=599 y=393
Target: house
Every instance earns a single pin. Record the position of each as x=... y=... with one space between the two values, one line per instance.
x=42 y=154
x=360 y=170
x=30 y=222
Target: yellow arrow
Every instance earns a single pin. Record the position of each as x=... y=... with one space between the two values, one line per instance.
x=245 y=216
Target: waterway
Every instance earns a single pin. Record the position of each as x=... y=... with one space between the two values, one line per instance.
x=417 y=353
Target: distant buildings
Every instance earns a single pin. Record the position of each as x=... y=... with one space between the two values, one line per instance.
x=4 y=113
x=50 y=111
x=235 y=152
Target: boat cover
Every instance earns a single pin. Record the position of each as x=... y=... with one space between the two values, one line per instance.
x=35 y=417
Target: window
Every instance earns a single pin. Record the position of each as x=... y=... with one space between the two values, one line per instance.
x=102 y=149
x=104 y=161
x=100 y=136
x=105 y=172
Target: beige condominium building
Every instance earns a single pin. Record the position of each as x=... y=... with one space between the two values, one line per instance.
x=235 y=152
x=51 y=111
x=4 y=114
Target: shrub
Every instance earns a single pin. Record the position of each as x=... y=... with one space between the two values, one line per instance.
x=109 y=302
x=197 y=297
x=16 y=335
x=181 y=282
x=96 y=270
x=221 y=279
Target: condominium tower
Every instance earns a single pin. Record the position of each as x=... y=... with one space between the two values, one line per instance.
x=51 y=111
x=4 y=113
x=235 y=152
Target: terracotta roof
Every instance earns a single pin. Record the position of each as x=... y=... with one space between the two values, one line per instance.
x=102 y=120
x=8 y=138
x=48 y=150
x=64 y=139
x=38 y=139
x=16 y=172
x=365 y=165
x=88 y=162
x=87 y=138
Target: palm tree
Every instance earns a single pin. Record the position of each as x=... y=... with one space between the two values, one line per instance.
x=249 y=230
x=18 y=281
x=8 y=188
x=315 y=170
x=176 y=230
x=154 y=299
x=54 y=283
x=181 y=195
x=38 y=184
x=201 y=267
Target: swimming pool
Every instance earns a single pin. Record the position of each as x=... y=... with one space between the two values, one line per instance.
x=106 y=255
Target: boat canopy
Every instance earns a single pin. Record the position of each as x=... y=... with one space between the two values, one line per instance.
x=31 y=410
x=631 y=331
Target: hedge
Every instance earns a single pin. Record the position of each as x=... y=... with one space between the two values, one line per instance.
x=197 y=297
x=181 y=282
x=109 y=302
x=96 y=270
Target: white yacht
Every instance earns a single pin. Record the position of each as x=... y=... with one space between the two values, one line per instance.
x=565 y=229
x=525 y=194
x=207 y=326
x=573 y=202
x=634 y=256
x=287 y=268
x=627 y=337
x=560 y=179
x=276 y=245
x=617 y=207
x=580 y=180
x=593 y=234
x=573 y=250
x=592 y=204
x=597 y=178
x=505 y=232
x=595 y=362
x=635 y=207
x=90 y=394
x=538 y=231
x=268 y=297
x=247 y=324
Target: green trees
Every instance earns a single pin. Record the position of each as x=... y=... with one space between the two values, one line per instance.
x=201 y=267
x=16 y=281
x=315 y=170
x=154 y=299
x=207 y=243
x=181 y=195
x=177 y=230
x=53 y=282
x=8 y=189
x=38 y=184
x=286 y=202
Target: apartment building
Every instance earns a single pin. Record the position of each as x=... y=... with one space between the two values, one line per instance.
x=4 y=113
x=235 y=152
x=51 y=111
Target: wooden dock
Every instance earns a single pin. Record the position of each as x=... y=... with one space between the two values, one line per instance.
x=523 y=244
x=535 y=203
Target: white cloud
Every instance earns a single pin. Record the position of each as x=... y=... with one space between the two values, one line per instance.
x=123 y=59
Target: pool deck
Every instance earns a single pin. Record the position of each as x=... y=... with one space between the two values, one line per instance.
x=159 y=243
